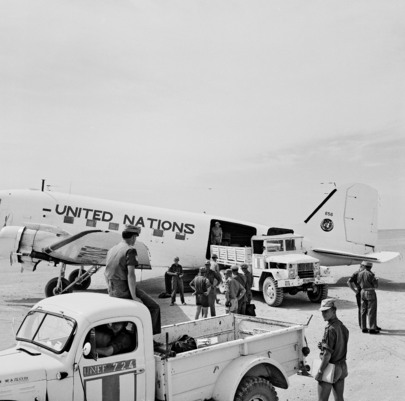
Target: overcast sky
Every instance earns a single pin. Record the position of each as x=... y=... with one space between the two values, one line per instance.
x=236 y=108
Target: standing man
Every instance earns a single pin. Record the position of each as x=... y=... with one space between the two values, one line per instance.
x=216 y=234
x=120 y=274
x=202 y=287
x=333 y=350
x=214 y=266
x=249 y=282
x=368 y=282
x=234 y=291
x=214 y=279
x=176 y=272
x=354 y=286
x=242 y=280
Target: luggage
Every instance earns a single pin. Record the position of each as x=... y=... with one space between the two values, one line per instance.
x=250 y=310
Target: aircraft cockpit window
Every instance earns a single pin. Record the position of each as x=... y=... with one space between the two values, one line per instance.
x=113 y=338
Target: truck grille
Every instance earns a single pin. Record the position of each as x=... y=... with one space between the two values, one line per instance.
x=305 y=270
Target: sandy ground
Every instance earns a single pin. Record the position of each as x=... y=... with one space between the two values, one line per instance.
x=376 y=363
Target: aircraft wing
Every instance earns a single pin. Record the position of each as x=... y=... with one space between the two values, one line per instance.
x=374 y=257
x=33 y=243
x=91 y=247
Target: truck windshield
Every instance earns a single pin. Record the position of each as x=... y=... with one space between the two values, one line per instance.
x=46 y=330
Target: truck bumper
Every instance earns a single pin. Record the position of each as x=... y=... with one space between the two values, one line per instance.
x=299 y=282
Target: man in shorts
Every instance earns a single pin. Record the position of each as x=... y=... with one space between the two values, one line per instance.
x=202 y=287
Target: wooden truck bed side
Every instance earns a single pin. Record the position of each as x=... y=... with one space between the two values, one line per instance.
x=192 y=375
x=230 y=255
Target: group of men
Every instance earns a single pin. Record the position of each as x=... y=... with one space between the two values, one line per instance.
x=237 y=288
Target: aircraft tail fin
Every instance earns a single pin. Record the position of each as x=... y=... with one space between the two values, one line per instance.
x=346 y=220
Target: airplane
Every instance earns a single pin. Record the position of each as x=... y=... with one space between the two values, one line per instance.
x=67 y=229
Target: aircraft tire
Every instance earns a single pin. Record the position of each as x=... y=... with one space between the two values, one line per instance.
x=51 y=287
x=80 y=285
x=271 y=293
x=255 y=388
x=320 y=294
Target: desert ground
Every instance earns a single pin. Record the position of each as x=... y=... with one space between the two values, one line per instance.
x=376 y=362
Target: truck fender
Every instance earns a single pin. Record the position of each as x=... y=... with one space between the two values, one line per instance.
x=251 y=365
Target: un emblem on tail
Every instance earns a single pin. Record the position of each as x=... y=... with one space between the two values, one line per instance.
x=327 y=225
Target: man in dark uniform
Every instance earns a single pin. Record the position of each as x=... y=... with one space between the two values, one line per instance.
x=249 y=282
x=242 y=280
x=354 y=286
x=368 y=283
x=120 y=274
x=333 y=350
x=176 y=273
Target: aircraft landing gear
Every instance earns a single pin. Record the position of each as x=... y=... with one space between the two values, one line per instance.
x=58 y=285
x=79 y=279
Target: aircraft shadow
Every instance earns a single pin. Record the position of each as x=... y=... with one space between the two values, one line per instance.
x=394 y=332
x=27 y=302
x=301 y=302
x=383 y=284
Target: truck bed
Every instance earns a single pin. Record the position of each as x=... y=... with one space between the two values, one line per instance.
x=196 y=371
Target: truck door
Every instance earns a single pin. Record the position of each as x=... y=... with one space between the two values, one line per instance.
x=119 y=377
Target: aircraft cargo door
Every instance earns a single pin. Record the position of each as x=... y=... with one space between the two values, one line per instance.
x=233 y=234
x=360 y=212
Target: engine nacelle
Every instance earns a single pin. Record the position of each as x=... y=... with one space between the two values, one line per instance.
x=23 y=245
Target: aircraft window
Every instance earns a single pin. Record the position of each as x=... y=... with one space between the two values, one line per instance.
x=113 y=226
x=113 y=338
x=180 y=236
x=68 y=219
x=91 y=223
x=158 y=233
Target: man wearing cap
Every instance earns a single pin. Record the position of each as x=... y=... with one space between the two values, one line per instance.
x=216 y=234
x=202 y=287
x=176 y=273
x=214 y=279
x=120 y=274
x=333 y=350
x=214 y=266
x=242 y=280
x=368 y=283
x=234 y=291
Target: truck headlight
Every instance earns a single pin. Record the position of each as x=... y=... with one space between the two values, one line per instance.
x=317 y=269
x=291 y=271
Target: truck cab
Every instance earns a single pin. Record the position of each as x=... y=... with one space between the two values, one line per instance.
x=53 y=359
x=279 y=264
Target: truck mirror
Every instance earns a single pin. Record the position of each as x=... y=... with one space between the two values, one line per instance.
x=86 y=349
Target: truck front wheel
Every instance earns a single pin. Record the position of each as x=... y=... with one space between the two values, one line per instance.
x=255 y=389
x=271 y=293
x=319 y=293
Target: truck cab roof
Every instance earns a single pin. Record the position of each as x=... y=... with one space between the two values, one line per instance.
x=92 y=307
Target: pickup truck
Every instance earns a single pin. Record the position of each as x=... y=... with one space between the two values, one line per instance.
x=279 y=265
x=236 y=357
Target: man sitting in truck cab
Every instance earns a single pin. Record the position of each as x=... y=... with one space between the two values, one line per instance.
x=121 y=339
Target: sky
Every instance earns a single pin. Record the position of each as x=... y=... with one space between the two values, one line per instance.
x=247 y=109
